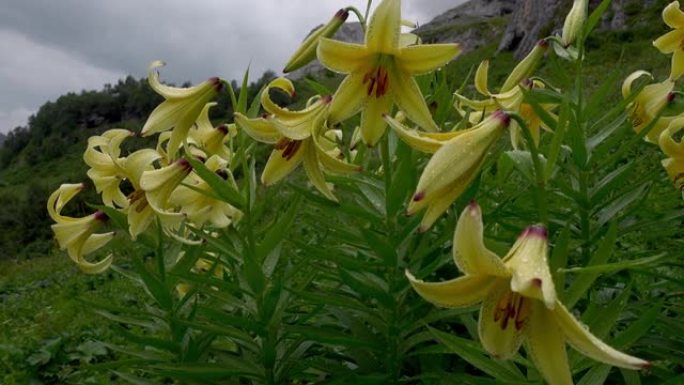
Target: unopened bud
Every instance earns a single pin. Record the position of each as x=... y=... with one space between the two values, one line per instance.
x=307 y=51
x=574 y=22
x=526 y=67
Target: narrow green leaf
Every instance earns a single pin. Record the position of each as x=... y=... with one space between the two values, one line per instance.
x=610 y=182
x=610 y=211
x=596 y=375
x=617 y=266
x=154 y=286
x=557 y=142
x=471 y=351
x=559 y=257
x=583 y=282
x=223 y=189
x=244 y=91
x=595 y=17
x=278 y=231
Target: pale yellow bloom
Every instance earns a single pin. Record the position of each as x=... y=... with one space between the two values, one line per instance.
x=139 y=212
x=519 y=301
x=300 y=137
x=380 y=73
x=648 y=104
x=673 y=41
x=453 y=167
x=510 y=97
x=202 y=266
x=674 y=149
x=211 y=140
x=103 y=156
x=158 y=184
x=77 y=235
x=202 y=208
x=574 y=22
x=179 y=110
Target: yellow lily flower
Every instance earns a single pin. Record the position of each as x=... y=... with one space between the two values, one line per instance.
x=510 y=96
x=380 y=73
x=180 y=108
x=519 y=301
x=648 y=104
x=103 y=155
x=453 y=167
x=300 y=137
x=202 y=266
x=211 y=140
x=139 y=212
x=201 y=208
x=77 y=235
x=159 y=184
x=674 y=164
x=673 y=41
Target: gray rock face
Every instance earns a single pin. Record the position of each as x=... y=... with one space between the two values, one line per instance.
x=472 y=24
x=535 y=19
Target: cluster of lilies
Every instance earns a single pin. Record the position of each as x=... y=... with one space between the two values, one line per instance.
x=519 y=300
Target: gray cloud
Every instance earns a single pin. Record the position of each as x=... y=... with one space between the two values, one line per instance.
x=68 y=45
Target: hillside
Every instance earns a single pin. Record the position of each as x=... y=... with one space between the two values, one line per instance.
x=36 y=158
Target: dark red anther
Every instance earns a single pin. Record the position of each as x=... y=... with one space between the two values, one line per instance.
x=223 y=129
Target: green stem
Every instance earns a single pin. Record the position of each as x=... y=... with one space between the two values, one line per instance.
x=540 y=186
x=387 y=173
x=360 y=16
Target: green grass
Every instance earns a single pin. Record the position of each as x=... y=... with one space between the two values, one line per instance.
x=48 y=335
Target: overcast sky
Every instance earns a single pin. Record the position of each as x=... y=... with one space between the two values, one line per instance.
x=50 y=47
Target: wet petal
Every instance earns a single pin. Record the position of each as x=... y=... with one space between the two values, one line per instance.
x=341 y=57
x=372 y=122
x=469 y=251
x=415 y=138
x=408 y=97
x=384 y=27
x=546 y=346
x=677 y=65
x=420 y=59
x=580 y=338
x=528 y=263
x=348 y=99
x=460 y=292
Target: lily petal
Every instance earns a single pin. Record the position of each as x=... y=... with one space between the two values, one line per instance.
x=528 y=262
x=673 y=15
x=279 y=165
x=669 y=42
x=580 y=338
x=500 y=333
x=259 y=129
x=677 y=64
x=313 y=171
x=420 y=59
x=481 y=76
x=408 y=97
x=460 y=292
x=469 y=251
x=341 y=57
x=414 y=138
x=384 y=27
x=348 y=99
x=546 y=346
x=372 y=122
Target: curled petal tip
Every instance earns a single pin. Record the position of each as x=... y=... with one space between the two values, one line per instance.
x=422 y=229
x=543 y=43
x=419 y=196
x=327 y=99
x=646 y=365
x=342 y=14
x=503 y=117
x=537 y=230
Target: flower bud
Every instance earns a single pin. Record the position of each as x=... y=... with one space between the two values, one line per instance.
x=307 y=51
x=574 y=22
x=526 y=67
